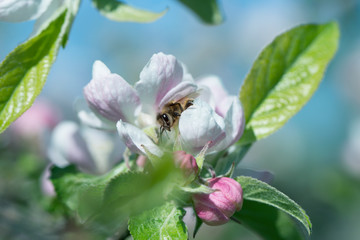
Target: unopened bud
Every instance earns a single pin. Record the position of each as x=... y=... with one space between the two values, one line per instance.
x=186 y=162
x=216 y=208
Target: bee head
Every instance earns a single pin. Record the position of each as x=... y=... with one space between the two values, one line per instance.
x=165 y=120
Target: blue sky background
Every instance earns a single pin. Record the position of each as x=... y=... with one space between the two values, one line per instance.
x=303 y=155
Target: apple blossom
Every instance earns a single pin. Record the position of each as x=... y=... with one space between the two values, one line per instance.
x=115 y=103
x=216 y=208
x=93 y=151
x=133 y=110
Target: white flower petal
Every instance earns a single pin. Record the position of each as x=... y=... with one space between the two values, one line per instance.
x=106 y=148
x=100 y=70
x=234 y=123
x=161 y=73
x=206 y=96
x=56 y=156
x=223 y=106
x=214 y=84
x=22 y=10
x=68 y=146
x=111 y=96
x=180 y=91
x=135 y=139
x=198 y=125
x=90 y=118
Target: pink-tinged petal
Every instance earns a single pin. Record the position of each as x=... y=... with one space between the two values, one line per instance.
x=22 y=10
x=67 y=145
x=46 y=185
x=230 y=189
x=141 y=161
x=134 y=138
x=90 y=118
x=159 y=76
x=208 y=212
x=217 y=207
x=234 y=124
x=218 y=93
x=182 y=90
x=198 y=125
x=111 y=96
x=223 y=106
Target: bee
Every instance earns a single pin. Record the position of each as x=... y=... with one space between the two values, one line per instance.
x=171 y=113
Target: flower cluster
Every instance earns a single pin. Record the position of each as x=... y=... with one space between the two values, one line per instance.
x=165 y=110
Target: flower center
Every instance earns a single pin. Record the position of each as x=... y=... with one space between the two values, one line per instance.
x=171 y=113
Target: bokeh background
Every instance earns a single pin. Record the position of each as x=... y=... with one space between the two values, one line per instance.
x=315 y=157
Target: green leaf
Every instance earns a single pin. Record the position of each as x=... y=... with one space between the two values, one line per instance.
x=207 y=10
x=141 y=191
x=164 y=222
x=269 y=222
x=257 y=191
x=284 y=77
x=126 y=185
x=134 y=192
x=123 y=195
x=24 y=71
x=82 y=193
x=198 y=224
x=121 y=12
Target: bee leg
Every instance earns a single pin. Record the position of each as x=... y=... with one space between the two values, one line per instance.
x=161 y=132
x=167 y=134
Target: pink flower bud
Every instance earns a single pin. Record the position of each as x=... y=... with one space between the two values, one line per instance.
x=186 y=162
x=216 y=208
